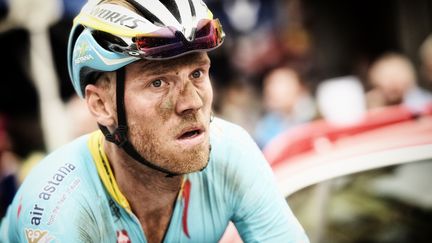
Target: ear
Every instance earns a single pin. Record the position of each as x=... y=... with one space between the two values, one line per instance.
x=100 y=105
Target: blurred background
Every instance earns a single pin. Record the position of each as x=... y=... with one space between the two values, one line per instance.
x=284 y=63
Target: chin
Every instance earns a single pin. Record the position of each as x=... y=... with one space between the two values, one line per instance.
x=189 y=161
x=196 y=161
x=177 y=157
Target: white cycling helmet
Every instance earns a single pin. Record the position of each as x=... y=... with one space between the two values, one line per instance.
x=110 y=34
x=107 y=35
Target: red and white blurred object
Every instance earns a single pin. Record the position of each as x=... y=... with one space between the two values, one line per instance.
x=322 y=150
x=387 y=137
x=378 y=130
x=341 y=100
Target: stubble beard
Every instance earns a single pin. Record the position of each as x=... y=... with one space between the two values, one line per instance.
x=158 y=151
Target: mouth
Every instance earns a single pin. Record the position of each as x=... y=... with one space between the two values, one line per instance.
x=191 y=136
x=190 y=133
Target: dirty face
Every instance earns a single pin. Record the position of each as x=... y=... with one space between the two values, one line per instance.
x=168 y=107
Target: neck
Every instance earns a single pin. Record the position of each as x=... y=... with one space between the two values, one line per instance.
x=134 y=177
x=150 y=193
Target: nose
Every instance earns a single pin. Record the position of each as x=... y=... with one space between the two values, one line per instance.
x=189 y=99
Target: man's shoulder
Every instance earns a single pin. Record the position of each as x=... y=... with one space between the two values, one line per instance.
x=72 y=157
x=233 y=147
x=228 y=132
x=59 y=179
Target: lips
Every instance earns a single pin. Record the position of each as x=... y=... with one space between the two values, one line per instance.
x=190 y=132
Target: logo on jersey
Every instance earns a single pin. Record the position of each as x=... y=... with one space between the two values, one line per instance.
x=56 y=180
x=123 y=237
x=37 y=236
x=71 y=188
x=186 y=196
x=36 y=215
x=115 y=211
x=19 y=208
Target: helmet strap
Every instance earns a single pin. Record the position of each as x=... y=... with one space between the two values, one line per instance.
x=119 y=136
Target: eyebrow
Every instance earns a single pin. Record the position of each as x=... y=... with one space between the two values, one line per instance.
x=158 y=67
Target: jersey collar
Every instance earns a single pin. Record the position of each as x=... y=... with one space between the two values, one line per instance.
x=105 y=172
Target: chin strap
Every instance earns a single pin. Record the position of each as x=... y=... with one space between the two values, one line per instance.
x=119 y=136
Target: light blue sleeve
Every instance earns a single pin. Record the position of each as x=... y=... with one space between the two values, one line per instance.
x=56 y=204
x=260 y=213
x=6 y=225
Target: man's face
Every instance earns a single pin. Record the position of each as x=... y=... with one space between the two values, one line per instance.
x=168 y=107
x=393 y=77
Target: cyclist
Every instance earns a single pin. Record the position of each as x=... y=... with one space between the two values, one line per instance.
x=161 y=169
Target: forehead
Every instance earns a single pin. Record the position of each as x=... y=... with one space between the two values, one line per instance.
x=392 y=68
x=163 y=66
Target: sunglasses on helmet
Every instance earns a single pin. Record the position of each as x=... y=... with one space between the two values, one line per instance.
x=169 y=43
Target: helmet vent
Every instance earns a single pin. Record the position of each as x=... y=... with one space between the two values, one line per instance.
x=146 y=13
x=171 y=5
x=107 y=41
x=192 y=8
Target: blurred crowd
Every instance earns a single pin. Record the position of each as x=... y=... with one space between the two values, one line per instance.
x=265 y=78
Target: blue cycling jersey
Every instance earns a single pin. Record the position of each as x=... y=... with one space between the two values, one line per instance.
x=72 y=196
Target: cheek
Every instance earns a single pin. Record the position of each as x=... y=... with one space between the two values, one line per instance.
x=166 y=104
x=140 y=109
x=207 y=94
x=165 y=107
x=210 y=96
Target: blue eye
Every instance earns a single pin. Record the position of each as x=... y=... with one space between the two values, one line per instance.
x=196 y=74
x=157 y=83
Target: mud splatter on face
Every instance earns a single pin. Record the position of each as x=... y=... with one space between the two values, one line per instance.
x=155 y=125
x=166 y=107
x=156 y=149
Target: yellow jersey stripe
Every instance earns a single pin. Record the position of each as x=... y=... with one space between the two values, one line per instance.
x=100 y=159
